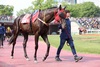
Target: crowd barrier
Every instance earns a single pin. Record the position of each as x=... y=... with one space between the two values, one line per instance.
x=93 y=31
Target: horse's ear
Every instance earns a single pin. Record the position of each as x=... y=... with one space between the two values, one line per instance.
x=64 y=7
x=39 y=10
x=60 y=7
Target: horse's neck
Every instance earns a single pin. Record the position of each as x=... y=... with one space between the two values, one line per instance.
x=48 y=15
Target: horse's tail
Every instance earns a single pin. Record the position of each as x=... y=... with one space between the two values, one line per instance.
x=15 y=28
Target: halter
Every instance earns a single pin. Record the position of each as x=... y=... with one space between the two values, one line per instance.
x=43 y=21
x=56 y=14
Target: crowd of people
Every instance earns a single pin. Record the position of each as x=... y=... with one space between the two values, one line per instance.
x=4 y=32
x=89 y=23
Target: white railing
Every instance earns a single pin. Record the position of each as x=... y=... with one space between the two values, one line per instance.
x=93 y=31
x=7 y=21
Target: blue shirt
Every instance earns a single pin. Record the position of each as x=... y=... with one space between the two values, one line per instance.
x=2 y=30
x=66 y=32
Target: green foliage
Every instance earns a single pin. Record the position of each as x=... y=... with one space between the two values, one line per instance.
x=24 y=11
x=6 y=10
x=42 y=4
x=86 y=9
x=37 y=4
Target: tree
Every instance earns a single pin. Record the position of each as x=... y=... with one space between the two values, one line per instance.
x=37 y=4
x=86 y=9
x=6 y=10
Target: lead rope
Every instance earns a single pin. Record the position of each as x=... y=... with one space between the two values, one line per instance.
x=44 y=16
x=43 y=21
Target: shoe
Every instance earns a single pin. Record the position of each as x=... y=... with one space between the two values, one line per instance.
x=57 y=59
x=77 y=58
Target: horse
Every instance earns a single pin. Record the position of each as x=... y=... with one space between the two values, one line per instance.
x=38 y=28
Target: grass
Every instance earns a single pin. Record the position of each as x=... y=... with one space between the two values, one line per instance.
x=83 y=44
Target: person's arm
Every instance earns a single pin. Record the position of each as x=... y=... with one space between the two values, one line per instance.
x=4 y=30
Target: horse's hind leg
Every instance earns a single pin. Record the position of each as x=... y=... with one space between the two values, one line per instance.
x=24 y=45
x=13 y=45
x=36 y=47
x=45 y=38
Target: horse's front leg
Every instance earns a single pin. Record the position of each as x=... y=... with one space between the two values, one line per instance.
x=25 y=44
x=36 y=47
x=45 y=38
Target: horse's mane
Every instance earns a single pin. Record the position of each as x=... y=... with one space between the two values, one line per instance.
x=52 y=7
x=49 y=8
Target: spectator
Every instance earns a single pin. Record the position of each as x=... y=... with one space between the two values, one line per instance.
x=2 y=33
x=8 y=32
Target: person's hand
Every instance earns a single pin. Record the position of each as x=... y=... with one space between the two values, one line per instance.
x=4 y=34
x=67 y=43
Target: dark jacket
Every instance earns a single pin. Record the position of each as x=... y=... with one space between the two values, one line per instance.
x=66 y=32
x=2 y=30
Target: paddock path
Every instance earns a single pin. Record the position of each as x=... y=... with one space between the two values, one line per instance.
x=89 y=60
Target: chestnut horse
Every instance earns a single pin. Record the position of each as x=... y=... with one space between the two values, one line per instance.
x=38 y=28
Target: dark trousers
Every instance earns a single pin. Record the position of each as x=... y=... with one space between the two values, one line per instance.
x=1 y=39
x=62 y=42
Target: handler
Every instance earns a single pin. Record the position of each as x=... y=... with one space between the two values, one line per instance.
x=66 y=36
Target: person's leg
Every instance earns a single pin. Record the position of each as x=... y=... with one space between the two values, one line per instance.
x=74 y=51
x=2 y=38
x=62 y=42
x=71 y=44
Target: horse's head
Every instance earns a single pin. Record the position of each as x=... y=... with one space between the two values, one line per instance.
x=54 y=13
x=60 y=14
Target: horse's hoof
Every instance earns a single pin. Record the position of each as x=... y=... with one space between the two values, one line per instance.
x=12 y=57
x=35 y=61
x=27 y=59
x=44 y=59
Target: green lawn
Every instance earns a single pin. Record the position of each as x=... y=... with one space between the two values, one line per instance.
x=83 y=44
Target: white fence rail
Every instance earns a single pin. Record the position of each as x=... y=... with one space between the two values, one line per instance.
x=92 y=31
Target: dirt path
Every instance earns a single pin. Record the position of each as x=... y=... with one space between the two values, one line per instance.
x=89 y=60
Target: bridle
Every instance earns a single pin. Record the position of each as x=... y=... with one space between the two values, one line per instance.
x=58 y=15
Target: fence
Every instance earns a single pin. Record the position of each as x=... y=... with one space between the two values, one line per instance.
x=93 y=31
